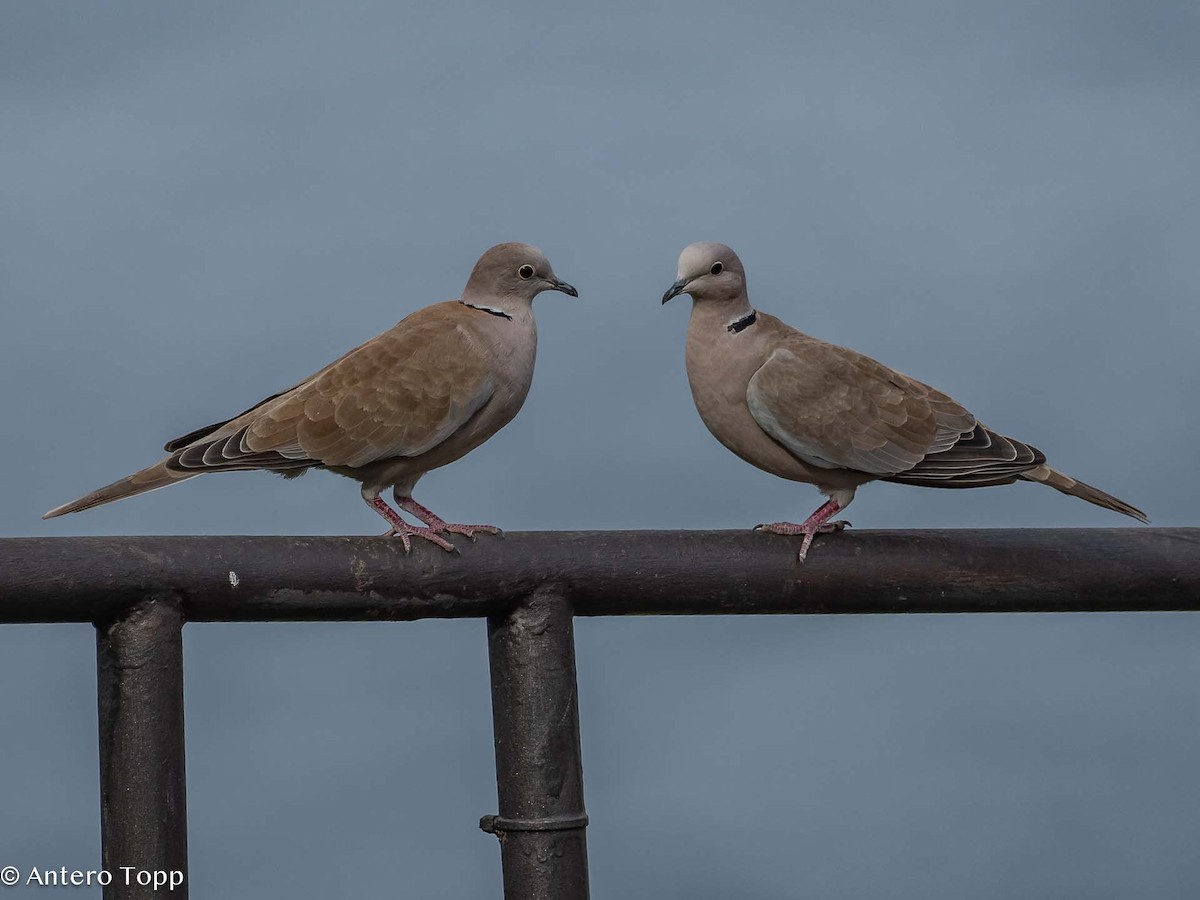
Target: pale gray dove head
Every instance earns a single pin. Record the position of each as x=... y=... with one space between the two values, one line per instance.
x=512 y=272
x=709 y=271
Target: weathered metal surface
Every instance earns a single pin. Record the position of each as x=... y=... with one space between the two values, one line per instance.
x=139 y=592
x=539 y=772
x=605 y=573
x=143 y=806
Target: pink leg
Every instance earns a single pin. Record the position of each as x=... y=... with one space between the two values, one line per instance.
x=438 y=525
x=403 y=530
x=812 y=526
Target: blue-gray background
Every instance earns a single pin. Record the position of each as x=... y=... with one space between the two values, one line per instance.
x=202 y=203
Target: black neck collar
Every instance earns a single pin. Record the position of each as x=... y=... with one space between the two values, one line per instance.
x=489 y=310
x=743 y=323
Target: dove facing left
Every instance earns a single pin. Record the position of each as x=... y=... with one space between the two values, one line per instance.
x=422 y=394
x=813 y=412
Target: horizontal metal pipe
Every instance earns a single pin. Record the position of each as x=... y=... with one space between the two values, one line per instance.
x=604 y=573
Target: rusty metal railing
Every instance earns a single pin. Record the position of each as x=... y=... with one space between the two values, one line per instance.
x=139 y=593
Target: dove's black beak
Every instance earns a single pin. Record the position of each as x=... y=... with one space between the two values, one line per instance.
x=557 y=285
x=676 y=289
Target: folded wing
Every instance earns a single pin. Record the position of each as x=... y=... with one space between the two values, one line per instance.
x=838 y=409
x=398 y=395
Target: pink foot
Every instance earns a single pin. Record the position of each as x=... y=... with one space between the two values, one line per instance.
x=440 y=526
x=790 y=528
x=812 y=526
x=406 y=532
x=469 y=530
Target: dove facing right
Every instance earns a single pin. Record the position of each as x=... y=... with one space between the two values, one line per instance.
x=814 y=412
x=421 y=395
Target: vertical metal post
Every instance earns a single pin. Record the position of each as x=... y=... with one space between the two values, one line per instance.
x=539 y=772
x=143 y=806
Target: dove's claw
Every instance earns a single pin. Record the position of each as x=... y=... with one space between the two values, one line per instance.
x=404 y=539
x=810 y=527
x=468 y=530
x=406 y=532
x=439 y=525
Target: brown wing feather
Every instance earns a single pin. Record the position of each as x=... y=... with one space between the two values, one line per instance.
x=192 y=436
x=399 y=394
x=835 y=407
x=980 y=458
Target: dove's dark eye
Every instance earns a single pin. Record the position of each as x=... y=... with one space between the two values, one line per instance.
x=716 y=269
x=526 y=271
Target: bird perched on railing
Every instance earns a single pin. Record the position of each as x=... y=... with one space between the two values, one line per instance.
x=814 y=412
x=421 y=395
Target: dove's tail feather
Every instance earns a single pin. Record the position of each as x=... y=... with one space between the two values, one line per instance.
x=1069 y=485
x=151 y=479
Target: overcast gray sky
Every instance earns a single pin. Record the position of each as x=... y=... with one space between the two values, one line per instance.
x=202 y=203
